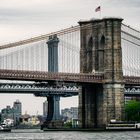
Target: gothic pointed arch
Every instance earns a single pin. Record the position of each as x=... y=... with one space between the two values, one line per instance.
x=90 y=54
x=90 y=44
x=101 y=53
x=102 y=42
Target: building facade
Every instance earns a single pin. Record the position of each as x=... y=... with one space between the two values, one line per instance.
x=68 y=114
x=12 y=113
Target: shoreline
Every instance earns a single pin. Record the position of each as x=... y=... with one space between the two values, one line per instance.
x=93 y=130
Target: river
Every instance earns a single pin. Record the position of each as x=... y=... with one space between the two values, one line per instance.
x=36 y=134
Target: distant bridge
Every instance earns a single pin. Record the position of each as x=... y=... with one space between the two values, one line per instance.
x=62 y=89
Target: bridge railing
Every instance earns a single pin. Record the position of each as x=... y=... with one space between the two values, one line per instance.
x=132 y=80
x=50 y=76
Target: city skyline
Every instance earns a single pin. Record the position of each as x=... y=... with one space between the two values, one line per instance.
x=32 y=108
x=20 y=20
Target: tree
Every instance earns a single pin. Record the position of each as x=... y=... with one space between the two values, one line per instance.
x=132 y=110
x=68 y=125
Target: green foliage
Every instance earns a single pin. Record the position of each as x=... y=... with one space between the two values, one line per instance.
x=132 y=110
x=68 y=125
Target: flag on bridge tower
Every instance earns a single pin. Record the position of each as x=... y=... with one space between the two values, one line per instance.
x=98 y=9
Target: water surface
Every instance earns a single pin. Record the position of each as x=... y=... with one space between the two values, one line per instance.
x=36 y=134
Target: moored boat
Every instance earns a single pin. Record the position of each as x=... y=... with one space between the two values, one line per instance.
x=4 y=129
x=114 y=125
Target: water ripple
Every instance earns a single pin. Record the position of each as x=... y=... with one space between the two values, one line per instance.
x=34 y=134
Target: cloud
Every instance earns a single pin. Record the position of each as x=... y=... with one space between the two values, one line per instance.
x=126 y=3
x=49 y=15
x=45 y=12
x=29 y=12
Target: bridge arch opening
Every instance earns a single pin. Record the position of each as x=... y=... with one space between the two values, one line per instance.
x=90 y=44
x=90 y=55
x=101 y=54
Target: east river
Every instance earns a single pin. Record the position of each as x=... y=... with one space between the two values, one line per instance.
x=36 y=134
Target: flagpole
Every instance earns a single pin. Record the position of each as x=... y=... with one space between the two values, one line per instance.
x=98 y=9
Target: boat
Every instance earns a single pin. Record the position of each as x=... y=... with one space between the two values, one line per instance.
x=114 y=125
x=4 y=128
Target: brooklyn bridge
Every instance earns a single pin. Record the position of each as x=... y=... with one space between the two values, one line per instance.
x=98 y=60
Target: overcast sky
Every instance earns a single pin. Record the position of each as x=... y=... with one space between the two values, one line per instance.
x=20 y=19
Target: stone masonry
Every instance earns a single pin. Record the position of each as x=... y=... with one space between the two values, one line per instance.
x=101 y=53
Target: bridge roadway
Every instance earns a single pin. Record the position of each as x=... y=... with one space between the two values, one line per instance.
x=65 y=77
x=44 y=89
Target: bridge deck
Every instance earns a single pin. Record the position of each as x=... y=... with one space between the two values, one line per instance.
x=66 y=77
x=50 y=76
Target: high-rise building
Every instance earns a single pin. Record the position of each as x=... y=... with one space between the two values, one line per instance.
x=45 y=108
x=17 y=107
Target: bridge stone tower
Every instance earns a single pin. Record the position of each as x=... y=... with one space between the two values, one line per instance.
x=101 y=53
x=53 y=53
x=53 y=115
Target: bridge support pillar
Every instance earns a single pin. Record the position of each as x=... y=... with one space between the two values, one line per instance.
x=87 y=107
x=98 y=104
x=53 y=116
x=110 y=104
x=53 y=107
x=114 y=102
x=54 y=110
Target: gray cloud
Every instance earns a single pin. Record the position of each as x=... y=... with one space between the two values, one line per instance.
x=43 y=15
x=127 y=3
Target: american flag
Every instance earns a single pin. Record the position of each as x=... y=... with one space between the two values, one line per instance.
x=98 y=9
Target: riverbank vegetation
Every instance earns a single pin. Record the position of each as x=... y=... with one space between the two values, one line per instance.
x=132 y=111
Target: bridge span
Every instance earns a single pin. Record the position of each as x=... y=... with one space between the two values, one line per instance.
x=65 y=77
x=62 y=89
x=100 y=55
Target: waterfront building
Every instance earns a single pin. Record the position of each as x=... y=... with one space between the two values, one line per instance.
x=12 y=113
x=7 y=113
x=33 y=120
x=27 y=121
x=24 y=119
x=68 y=114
